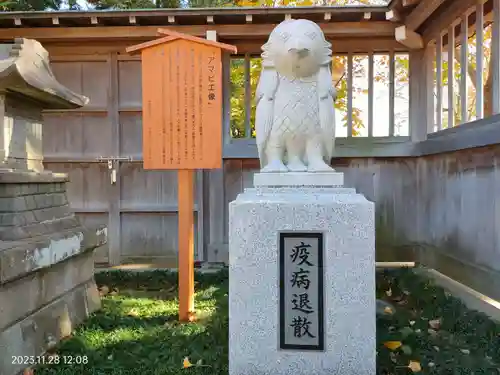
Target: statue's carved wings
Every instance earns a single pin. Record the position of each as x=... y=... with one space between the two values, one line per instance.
x=266 y=89
x=327 y=95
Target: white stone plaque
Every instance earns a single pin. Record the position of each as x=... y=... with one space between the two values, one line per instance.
x=301 y=291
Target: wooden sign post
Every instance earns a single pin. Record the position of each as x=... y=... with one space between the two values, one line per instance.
x=182 y=127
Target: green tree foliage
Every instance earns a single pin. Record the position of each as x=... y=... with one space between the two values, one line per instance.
x=34 y=5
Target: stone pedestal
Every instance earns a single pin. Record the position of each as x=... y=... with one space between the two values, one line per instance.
x=272 y=228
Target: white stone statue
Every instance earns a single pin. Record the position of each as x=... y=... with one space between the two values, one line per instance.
x=295 y=117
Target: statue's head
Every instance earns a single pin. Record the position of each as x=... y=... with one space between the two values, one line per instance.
x=296 y=49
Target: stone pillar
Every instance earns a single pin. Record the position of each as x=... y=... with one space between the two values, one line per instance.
x=302 y=277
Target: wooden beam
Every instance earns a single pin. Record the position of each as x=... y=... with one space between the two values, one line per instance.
x=371 y=96
x=452 y=14
x=392 y=92
x=199 y=13
x=185 y=181
x=464 y=61
x=423 y=11
x=331 y=30
x=408 y=38
x=421 y=89
x=98 y=49
x=451 y=77
x=495 y=55
x=350 y=74
x=479 y=60
x=339 y=46
x=439 y=83
x=408 y=3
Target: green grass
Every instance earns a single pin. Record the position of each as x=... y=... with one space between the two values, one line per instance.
x=136 y=331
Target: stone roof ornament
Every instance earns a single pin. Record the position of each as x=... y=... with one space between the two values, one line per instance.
x=25 y=70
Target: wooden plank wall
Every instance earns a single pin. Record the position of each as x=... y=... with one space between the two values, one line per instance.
x=139 y=207
x=446 y=200
x=440 y=210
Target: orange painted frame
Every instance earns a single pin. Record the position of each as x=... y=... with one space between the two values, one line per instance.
x=182 y=101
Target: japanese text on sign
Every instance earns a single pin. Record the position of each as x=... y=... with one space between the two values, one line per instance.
x=211 y=78
x=301 y=291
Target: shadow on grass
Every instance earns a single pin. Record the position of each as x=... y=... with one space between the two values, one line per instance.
x=151 y=342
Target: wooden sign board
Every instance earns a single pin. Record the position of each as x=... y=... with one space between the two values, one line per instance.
x=182 y=102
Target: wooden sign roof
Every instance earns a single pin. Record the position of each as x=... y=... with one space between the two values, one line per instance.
x=181 y=101
x=172 y=35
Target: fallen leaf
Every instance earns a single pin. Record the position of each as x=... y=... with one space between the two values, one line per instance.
x=435 y=323
x=393 y=357
x=432 y=332
x=465 y=351
x=199 y=362
x=414 y=366
x=28 y=371
x=393 y=345
x=388 y=310
x=402 y=302
x=431 y=364
x=412 y=322
x=406 y=292
x=436 y=348
x=191 y=316
x=388 y=292
x=418 y=330
x=406 y=349
x=103 y=290
x=110 y=356
x=186 y=363
x=133 y=312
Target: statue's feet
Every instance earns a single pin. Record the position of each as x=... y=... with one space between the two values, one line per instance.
x=319 y=166
x=275 y=166
x=296 y=165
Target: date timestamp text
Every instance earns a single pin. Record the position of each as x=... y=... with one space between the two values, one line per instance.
x=31 y=360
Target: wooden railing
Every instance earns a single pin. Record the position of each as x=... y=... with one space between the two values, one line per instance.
x=469 y=88
x=373 y=95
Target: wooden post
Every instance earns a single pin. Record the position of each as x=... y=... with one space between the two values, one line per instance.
x=182 y=131
x=186 y=245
